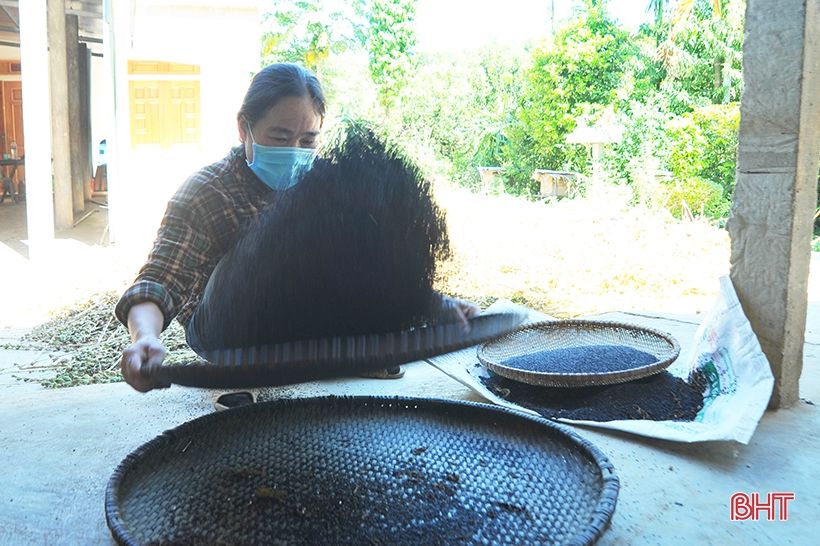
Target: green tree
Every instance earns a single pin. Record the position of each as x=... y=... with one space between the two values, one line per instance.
x=658 y=9
x=391 y=41
x=307 y=32
x=455 y=109
x=701 y=54
x=578 y=74
x=703 y=143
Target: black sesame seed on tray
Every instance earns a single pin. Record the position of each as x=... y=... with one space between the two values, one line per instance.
x=582 y=359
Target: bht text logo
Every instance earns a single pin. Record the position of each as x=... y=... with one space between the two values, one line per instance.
x=744 y=507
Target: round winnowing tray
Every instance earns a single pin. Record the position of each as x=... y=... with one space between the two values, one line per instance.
x=503 y=355
x=363 y=471
x=306 y=360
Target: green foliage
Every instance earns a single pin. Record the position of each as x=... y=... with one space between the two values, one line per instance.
x=690 y=149
x=695 y=196
x=489 y=150
x=658 y=9
x=643 y=72
x=673 y=86
x=703 y=144
x=645 y=139
x=578 y=74
x=390 y=42
x=307 y=32
x=459 y=105
x=702 y=55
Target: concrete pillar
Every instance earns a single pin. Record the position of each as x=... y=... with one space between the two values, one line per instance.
x=116 y=46
x=85 y=156
x=75 y=129
x=60 y=148
x=773 y=208
x=37 y=123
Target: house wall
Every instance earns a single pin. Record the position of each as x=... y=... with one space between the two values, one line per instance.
x=224 y=41
x=8 y=52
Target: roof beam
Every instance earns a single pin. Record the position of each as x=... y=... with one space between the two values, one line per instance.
x=72 y=8
x=11 y=17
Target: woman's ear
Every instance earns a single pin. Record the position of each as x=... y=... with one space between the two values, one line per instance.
x=243 y=129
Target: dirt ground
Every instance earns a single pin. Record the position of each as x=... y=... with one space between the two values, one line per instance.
x=583 y=256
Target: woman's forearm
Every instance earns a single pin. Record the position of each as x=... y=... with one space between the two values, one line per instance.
x=145 y=319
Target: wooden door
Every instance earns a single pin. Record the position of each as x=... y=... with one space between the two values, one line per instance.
x=12 y=100
x=183 y=112
x=146 y=117
x=11 y=96
x=164 y=112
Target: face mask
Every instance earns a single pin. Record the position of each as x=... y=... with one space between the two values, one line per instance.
x=279 y=167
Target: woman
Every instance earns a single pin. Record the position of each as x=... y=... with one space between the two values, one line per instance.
x=279 y=126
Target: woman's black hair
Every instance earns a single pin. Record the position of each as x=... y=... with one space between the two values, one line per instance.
x=275 y=82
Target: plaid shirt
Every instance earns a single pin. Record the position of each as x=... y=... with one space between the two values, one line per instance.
x=201 y=223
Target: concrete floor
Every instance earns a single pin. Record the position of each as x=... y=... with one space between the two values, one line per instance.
x=59 y=448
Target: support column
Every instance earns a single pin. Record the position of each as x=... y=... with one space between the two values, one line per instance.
x=60 y=148
x=116 y=45
x=773 y=206
x=85 y=158
x=37 y=124
x=75 y=133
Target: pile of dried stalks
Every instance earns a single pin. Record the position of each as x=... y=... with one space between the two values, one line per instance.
x=83 y=344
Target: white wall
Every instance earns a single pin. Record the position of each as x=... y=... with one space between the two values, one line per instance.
x=9 y=53
x=225 y=43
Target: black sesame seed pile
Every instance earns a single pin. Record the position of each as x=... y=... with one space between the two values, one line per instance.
x=659 y=397
x=582 y=359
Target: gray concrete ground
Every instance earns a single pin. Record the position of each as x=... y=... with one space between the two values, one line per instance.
x=59 y=448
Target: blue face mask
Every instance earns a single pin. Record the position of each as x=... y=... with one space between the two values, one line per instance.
x=279 y=167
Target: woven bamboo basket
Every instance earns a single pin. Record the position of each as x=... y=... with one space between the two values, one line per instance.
x=496 y=355
x=363 y=470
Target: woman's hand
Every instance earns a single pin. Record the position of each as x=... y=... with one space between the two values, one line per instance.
x=460 y=310
x=145 y=322
x=145 y=351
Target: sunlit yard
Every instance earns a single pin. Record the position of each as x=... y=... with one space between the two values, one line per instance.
x=579 y=257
